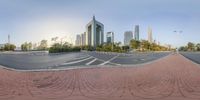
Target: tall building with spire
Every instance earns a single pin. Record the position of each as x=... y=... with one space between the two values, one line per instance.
x=136 y=34
x=150 y=39
x=94 y=33
x=8 y=38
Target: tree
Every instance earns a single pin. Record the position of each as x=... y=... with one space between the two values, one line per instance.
x=9 y=47
x=66 y=47
x=125 y=48
x=182 y=48
x=198 y=46
x=191 y=46
x=25 y=46
x=134 y=44
x=145 y=45
x=43 y=45
x=30 y=46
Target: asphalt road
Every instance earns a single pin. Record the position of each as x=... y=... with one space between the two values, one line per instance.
x=194 y=56
x=40 y=60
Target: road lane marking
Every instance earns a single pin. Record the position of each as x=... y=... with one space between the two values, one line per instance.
x=109 y=60
x=76 y=61
x=91 y=61
x=77 y=58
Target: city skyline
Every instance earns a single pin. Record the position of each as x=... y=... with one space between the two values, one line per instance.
x=36 y=20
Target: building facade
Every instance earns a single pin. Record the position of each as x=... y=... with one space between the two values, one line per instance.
x=136 y=34
x=128 y=36
x=94 y=33
x=150 y=39
x=110 y=37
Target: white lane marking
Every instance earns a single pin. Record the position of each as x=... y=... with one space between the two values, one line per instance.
x=109 y=60
x=76 y=61
x=77 y=58
x=142 y=59
x=91 y=61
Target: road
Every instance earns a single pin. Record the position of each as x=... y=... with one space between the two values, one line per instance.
x=194 y=56
x=35 y=60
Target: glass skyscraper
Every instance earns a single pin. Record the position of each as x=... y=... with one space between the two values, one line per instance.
x=136 y=34
x=110 y=37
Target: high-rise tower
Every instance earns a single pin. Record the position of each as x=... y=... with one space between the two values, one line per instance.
x=8 y=38
x=136 y=34
x=110 y=37
x=150 y=39
x=94 y=33
x=128 y=36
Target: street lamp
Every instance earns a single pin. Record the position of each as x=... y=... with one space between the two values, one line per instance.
x=178 y=32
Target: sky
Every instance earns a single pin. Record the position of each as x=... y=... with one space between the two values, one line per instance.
x=34 y=20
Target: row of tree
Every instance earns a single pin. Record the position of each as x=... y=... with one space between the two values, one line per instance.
x=29 y=46
x=135 y=45
x=63 y=47
x=145 y=45
x=112 y=47
x=190 y=47
x=8 y=47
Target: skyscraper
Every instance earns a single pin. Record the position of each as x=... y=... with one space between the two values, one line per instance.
x=110 y=37
x=78 y=40
x=8 y=38
x=150 y=39
x=136 y=34
x=83 y=39
x=94 y=33
x=128 y=36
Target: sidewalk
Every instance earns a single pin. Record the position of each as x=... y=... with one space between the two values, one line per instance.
x=171 y=78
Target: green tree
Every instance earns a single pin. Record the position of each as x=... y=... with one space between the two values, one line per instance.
x=135 y=44
x=191 y=46
x=30 y=46
x=183 y=48
x=43 y=45
x=9 y=47
x=24 y=46
x=145 y=45
x=66 y=47
x=198 y=46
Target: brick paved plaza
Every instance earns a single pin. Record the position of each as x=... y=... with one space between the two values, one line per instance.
x=171 y=78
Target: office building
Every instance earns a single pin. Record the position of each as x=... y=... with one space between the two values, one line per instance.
x=150 y=39
x=78 y=40
x=94 y=33
x=128 y=36
x=83 y=39
x=136 y=34
x=110 y=37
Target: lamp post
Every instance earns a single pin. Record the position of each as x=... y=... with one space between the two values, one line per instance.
x=178 y=32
